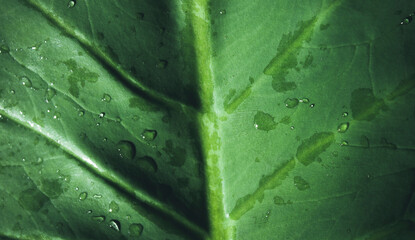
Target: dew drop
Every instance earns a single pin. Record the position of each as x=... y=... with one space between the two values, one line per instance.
x=83 y=196
x=300 y=183
x=135 y=230
x=126 y=149
x=406 y=20
x=149 y=135
x=292 y=127
x=71 y=4
x=344 y=143
x=57 y=116
x=4 y=48
x=342 y=128
x=89 y=212
x=345 y=114
x=222 y=12
x=106 y=98
x=99 y=219
x=113 y=207
x=304 y=100
x=264 y=121
x=97 y=196
x=77 y=188
x=291 y=102
x=26 y=81
x=115 y=224
x=147 y=164
x=50 y=93
x=101 y=115
x=161 y=64
x=12 y=91
x=312 y=105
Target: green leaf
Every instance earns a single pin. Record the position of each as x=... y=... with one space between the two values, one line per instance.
x=207 y=119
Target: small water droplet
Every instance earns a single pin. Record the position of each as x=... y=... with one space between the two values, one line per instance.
x=147 y=164
x=23 y=159
x=300 y=183
x=97 y=196
x=149 y=135
x=106 y=98
x=312 y=105
x=98 y=124
x=161 y=64
x=222 y=12
x=77 y=188
x=406 y=20
x=71 y=4
x=113 y=207
x=344 y=143
x=83 y=196
x=115 y=224
x=304 y=100
x=12 y=91
x=4 y=48
x=57 y=115
x=135 y=230
x=39 y=160
x=101 y=115
x=264 y=121
x=342 y=128
x=105 y=139
x=292 y=127
x=291 y=102
x=26 y=81
x=126 y=149
x=50 y=93
x=99 y=219
x=268 y=214
x=89 y=212
x=345 y=114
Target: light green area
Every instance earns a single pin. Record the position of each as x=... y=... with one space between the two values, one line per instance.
x=185 y=119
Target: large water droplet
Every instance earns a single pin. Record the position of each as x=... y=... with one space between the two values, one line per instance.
x=106 y=98
x=71 y=4
x=83 y=196
x=26 y=81
x=291 y=102
x=264 y=121
x=135 y=230
x=149 y=135
x=304 y=100
x=115 y=224
x=113 y=207
x=147 y=164
x=98 y=218
x=161 y=64
x=342 y=128
x=126 y=149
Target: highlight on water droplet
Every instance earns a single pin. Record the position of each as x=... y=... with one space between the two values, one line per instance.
x=83 y=196
x=57 y=116
x=312 y=105
x=99 y=219
x=291 y=102
x=12 y=91
x=115 y=225
x=126 y=149
x=135 y=230
x=106 y=98
x=342 y=128
x=26 y=81
x=71 y=3
x=149 y=135
x=161 y=64
x=101 y=115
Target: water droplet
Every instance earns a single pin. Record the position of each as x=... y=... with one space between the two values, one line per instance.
x=149 y=135
x=12 y=91
x=126 y=149
x=312 y=105
x=135 y=230
x=300 y=183
x=113 y=207
x=161 y=64
x=291 y=102
x=39 y=160
x=89 y=212
x=98 y=124
x=345 y=114
x=99 y=219
x=292 y=127
x=4 y=48
x=342 y=128
x=26 y=81
x=101 y=115
x=264 y=121
x=115 y=224
x=406 y=20
x=304 y=100
x=118 y=119
x=23 y=159
x=97 y=196
x=83 y=196
x=57 y=115
x=71 y=4
x=105 y=139
x=50 y=93
x=81 y=112
x=344 y=143
x=147 y=164
x=77 y=188
x=106 y=98
x=222 y=12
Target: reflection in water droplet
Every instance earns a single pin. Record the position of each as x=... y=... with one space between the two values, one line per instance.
x=26 y=81
x=135 y=230
x=149 y=135
x=291 y=102
x=83 y=196
x=71 y=4
x=126 y=149
x=161 y=64
x=106 y=98
x=342 y=128
x=115 y=224
x=101 y=115
x=113 y=207
x=98 y=218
